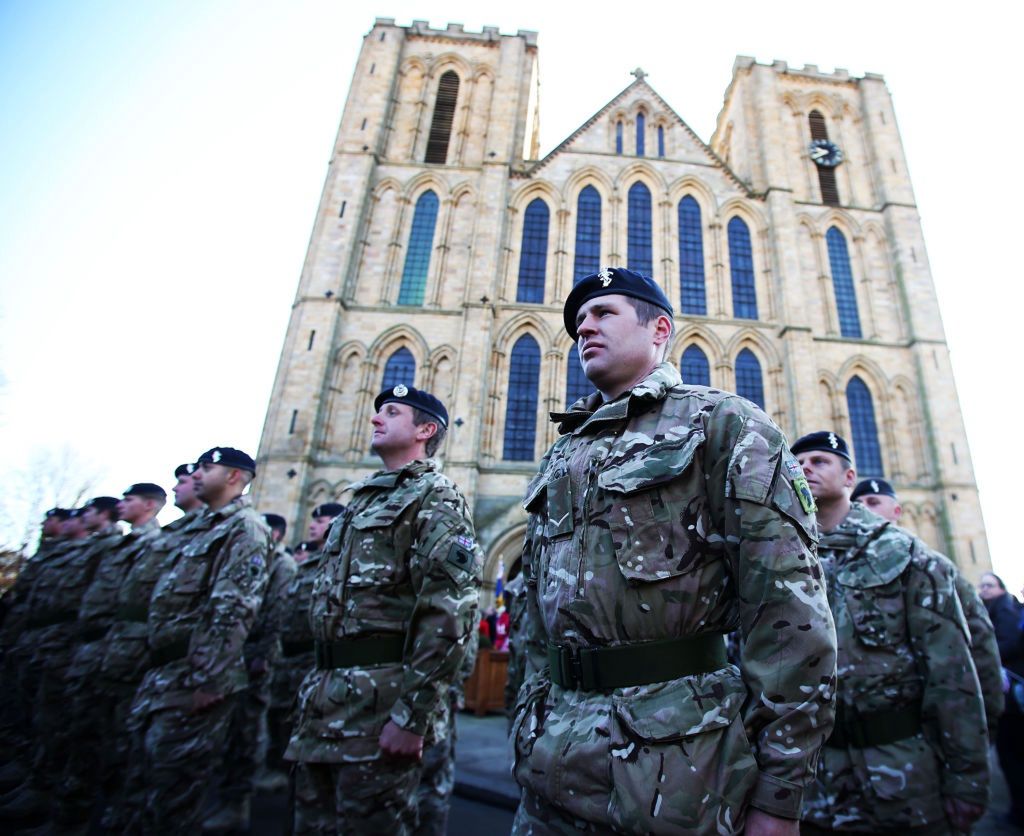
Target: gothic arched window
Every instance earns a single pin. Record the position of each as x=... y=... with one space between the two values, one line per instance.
x=521 y=407
x=866 y=451
x=741 y=267
x=588 y=234
x=826 y=175
x=417 y=254
x=576 y=384
x=661 y=141
x=618 y=137
x=694 y=367
x=400 y=368
x=533 y=253
x=691 y=259
x=842 y=283
x=748 y=377
x=640 y=125
x=444 y=115
x=638 y=250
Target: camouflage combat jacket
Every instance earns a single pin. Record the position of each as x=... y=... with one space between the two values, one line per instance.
x=55 y=600
x=515 y=594
x=16 y=601
x=207 y=602
x=401 y=561
x=99 y=604
x=672 y=512
x=126 y=655
x=903 y=645
x=264 y=640
x=297 y=657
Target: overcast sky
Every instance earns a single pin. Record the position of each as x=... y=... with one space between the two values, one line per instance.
x=161 y=163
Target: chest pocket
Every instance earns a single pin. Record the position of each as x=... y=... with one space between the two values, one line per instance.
x=192 y=572
x=876 y=605
x=657 y=511
x=379 y=543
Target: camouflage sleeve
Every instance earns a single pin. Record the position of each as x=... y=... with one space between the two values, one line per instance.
x=445 y=567
x=236 y=593
x=264 y=641
x=984 y=651
x=951 y=702
x=789 y=641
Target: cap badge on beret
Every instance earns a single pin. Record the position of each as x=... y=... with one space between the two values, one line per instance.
x=400 y=391
x=874 y=486
x=833 y=441
x=606 y=277
x=215 y=456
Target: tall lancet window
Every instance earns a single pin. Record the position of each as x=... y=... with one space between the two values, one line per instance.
x=691 y=259
x=741 y=266
x=533 y=253
x=400 y=368
x=417 y=254
x=521 y=406
x=748 y=377
x=444 y=115
x=842 y=284
x=867 y=454
x=641 y=123
x=638 y=253
x=588 y=234
x=694 y=367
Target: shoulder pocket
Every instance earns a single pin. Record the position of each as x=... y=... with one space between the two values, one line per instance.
x=874 y=595
x=657 y=512
x=380 y=541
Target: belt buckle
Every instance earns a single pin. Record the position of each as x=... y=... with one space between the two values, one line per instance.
x=569 y=667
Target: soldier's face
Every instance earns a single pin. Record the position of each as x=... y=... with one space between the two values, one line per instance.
x=51 y=526
x=615 y=349
x=210 y=481
x=94 y=519
x=71 y=527
x=393 y=429
x=132 y=508
x=318 y=528
x=828 y=475
x=884 y=506
x=184 y=491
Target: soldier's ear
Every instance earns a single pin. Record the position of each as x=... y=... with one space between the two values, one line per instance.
x=426 y=431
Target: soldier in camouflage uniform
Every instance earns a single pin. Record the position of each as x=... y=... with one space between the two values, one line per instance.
x=199 y=617
x=393 y=612
x=126 y=657
x=515 y=592
x=247 y=736
x=437 y=781
x=665 y=516
x=910 y=750
x=53 y=634
x=90 y=703
x=879 y=496
x=15 y=704
x=297 y=657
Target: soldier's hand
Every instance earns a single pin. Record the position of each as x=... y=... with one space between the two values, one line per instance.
x=399 y=743
x=203 y=701
x=760 y=823
x=962 y=814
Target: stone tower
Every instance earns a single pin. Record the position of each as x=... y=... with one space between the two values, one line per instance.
x=443 y=248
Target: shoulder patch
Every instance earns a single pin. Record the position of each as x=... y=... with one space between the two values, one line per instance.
x=460 y=555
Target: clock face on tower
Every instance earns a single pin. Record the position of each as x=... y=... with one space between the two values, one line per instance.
x=825 y=153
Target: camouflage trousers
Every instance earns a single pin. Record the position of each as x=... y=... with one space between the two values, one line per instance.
x=19 y=684
x=434 y=795
x=369 y=798
x=174 y=756
x=247 y=741
x=535 y=817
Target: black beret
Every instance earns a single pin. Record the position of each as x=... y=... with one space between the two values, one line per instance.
x=823 y=440
x=184 y=470
x=617 y=280
x=276 y=521
x=147 y=489
x=873 y=487
x=229 y=457
x=329 y=509
x=60 y=513
x=416 y=398
x=102 y=503
x=75 y=512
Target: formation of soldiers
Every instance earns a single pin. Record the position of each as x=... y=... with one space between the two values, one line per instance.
x=151 y=676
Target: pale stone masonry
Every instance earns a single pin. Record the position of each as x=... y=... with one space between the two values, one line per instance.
x=346 y=321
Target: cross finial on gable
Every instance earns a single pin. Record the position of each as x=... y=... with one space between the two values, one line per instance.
x=640 y=74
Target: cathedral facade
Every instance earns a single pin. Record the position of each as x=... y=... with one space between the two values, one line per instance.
x=443 y=246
